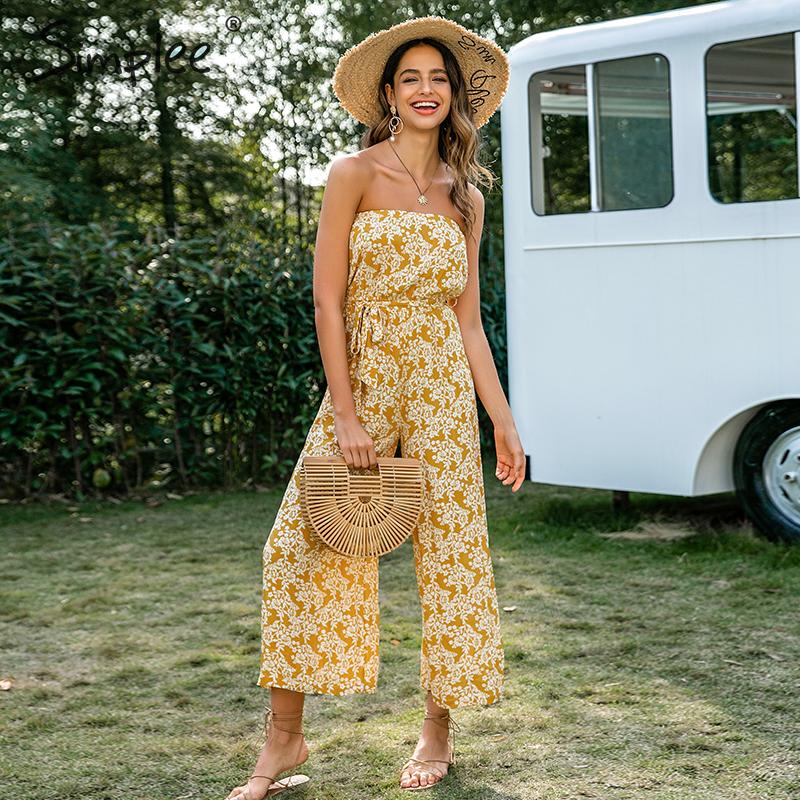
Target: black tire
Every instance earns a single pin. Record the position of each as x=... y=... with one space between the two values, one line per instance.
x=767 y=485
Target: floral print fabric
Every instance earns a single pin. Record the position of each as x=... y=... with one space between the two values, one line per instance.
x=411 y=384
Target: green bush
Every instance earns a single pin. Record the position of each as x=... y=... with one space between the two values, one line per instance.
x=164 y=363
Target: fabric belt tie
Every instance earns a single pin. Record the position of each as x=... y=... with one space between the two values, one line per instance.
x=370 y=323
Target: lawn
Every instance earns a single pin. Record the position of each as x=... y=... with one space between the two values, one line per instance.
x=651 y=653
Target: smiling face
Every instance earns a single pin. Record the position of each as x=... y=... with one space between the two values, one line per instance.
x=420 y=81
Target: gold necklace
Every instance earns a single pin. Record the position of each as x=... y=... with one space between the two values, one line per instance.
x=422 y=200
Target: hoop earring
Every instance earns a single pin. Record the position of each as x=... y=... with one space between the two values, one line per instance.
x=394 y=122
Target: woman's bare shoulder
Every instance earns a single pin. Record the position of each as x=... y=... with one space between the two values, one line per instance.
x=349 y=177
x=350 y=166
x=475 y=193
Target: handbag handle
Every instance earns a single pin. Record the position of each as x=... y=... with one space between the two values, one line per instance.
x=365 y=487
x=390 y=460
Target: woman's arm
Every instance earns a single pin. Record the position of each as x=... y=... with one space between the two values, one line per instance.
x=346 y=177
x=510 y=455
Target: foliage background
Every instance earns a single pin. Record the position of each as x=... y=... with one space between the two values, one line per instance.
x=157 y=232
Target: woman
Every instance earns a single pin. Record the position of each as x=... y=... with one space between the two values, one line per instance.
x=402 y=364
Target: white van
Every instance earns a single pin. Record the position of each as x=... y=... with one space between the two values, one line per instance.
x=652 y=255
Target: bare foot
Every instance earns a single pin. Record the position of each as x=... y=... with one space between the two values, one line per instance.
x=283 y=750
x=432 y=745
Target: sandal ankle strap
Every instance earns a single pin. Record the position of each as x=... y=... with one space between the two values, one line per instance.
x=451 y=725
x=439 y=719
x=272 y=715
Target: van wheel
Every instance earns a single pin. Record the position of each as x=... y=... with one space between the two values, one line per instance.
x=766 y=471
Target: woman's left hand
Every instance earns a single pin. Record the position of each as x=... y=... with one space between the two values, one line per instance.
x=510 y=457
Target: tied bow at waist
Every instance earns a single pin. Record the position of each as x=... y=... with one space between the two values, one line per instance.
x=371 y=367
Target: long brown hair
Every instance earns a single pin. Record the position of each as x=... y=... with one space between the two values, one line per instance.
x=460 y=142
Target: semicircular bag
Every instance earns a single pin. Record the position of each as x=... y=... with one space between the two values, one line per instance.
x=360 y=514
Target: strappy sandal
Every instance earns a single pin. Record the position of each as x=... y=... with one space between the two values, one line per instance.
x=452 y=726
x=276 y=786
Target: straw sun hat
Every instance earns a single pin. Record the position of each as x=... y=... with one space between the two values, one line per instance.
x=483 y=64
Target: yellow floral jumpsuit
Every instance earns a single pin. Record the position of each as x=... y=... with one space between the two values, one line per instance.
x=411 y=383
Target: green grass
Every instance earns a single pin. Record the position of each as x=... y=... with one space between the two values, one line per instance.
x=663 y=666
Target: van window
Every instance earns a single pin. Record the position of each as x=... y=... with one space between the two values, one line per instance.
x=560 y=139
x=634 y=146
x=632 y=131
x=751 y=113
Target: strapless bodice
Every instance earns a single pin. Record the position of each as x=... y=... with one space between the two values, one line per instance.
x=404 y=267
x=403 y=254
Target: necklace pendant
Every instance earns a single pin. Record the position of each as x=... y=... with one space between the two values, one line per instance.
x=422 y=200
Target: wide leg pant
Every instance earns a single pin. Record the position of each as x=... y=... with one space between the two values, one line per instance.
x=320 y=611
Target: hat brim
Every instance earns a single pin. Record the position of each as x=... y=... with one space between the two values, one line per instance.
x=483 y=64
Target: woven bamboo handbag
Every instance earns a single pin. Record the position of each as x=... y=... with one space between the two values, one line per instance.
x=357 y=514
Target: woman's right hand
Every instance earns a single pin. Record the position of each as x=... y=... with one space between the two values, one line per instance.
x=356 y=445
